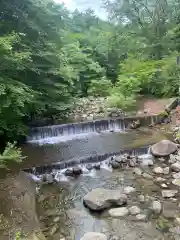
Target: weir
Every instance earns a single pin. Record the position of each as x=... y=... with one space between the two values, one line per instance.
x=118 y=124
x=88 y=159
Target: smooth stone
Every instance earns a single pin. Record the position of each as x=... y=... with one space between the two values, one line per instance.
x=134 y=210
x=158 y=170
x=118 y=212
x=147 y=176
x=141 y=198
x=94 y=236
x=177 y=220
x=137 y=171
x=129 y=190
x=89 y=166
x=54 y=230
x=169 y=193
x=57 y=219
x=164 y=185
x=161 y=159
x=163 y=148
x=99 y=199
x=176 y=167
x=156 y=207
x=176 y=182
x=141 y=217
x=176 y=175
x=166 y=170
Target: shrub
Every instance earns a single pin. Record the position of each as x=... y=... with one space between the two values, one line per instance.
x=100 y=88
x=122 y=102
x=10 y=154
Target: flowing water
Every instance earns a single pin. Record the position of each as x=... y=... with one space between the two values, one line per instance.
x=60 y=206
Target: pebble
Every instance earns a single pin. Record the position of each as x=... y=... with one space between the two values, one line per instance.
x=118 y=212
x=141 y=198
x=176 y=175
x=177 y=220
x=169 y=193
x=176 y=182
x=134 y=210
x=166 y=170
x=129 y=190
x=160 y=179
x=147 y=176
x=141 y=217
x=176 y=167
x=158 y=170
x=164 y=185
x=156 y=207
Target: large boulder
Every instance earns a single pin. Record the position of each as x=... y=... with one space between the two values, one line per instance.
x=163 y=148
x=99 y=199
x=94 y=236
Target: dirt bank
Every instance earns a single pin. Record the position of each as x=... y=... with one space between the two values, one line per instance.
x=18 y=208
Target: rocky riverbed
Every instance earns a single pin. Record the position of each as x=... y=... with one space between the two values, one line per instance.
x=125 y=197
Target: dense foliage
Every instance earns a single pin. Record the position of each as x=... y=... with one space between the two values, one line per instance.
x=49 y=57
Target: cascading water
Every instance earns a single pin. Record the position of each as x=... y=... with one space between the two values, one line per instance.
x=56 y=133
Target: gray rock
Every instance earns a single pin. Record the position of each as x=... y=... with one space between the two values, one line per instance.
x=134 y=210
x=156 y=207
x=77 y=171
x=176 y=182
x=99 y=199
x=169 y=193
x=129 y=190
x=163 y=185
x=54 y=230
x=94 y=236
x=118 y=212
x=163 y=148
x=158 y=170
x=141 y=217
x=141 y=198
x=175 y=167
x=166 y=170
x=137 y=171
x=115 y=164
x=48 y=178
x=97 y=166
x=89 y=166
x=69 y=172
x=132 y=162
x=172 y=159
x=176 y=175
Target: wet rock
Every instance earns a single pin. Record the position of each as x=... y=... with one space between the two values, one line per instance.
x=141 y=217
x=77 y=171
x=163 y=148
x=129 y=190
x=177 y=220
x=158 y=170
x=99 y=199
x=176 y=182
x=132 y=162
x=89 y=166
x=160 y=179
x=166 y=170
x=134 y=210
x=94 y=236
x=135 y=124
x=141 y=198
x=48 y=178
x=169 y=210
x=56 y=219
x=97 y=166
x=169 y=193
x=176 y=175
x=156 y=207
x=137 y=171
x=69 y=172
x=118 y=212
x=115 y=164
x=175 y=167
x=147 y=176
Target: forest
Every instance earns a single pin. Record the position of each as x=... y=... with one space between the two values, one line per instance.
x=51 y=56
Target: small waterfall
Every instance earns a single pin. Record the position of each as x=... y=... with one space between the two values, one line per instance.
x=143 y=151
x=84 y=128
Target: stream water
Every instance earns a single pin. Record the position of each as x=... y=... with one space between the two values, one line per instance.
x=60 y=206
